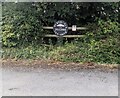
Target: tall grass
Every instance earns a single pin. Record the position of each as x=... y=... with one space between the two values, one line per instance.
x=104 y=51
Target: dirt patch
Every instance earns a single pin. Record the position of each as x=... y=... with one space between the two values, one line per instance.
x=48 y=64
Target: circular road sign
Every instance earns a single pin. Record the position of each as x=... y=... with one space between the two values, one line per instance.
x=60 y=28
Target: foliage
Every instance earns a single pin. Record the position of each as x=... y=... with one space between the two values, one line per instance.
x=22 y=29
x=80 y=51
x=20 y=23
x=103 y=29
x=23 y=21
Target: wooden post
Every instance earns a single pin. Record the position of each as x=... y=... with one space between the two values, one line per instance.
x=60 y=40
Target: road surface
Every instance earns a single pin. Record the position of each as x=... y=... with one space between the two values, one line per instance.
x=51 y=82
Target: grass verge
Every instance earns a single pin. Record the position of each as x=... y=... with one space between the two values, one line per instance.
x=77 y=52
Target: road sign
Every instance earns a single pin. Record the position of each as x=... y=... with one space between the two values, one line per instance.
x=60 y=28
x=74 y=28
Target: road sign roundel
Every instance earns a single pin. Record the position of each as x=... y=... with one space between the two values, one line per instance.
x=60 y=28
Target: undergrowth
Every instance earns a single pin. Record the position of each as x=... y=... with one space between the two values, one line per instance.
x=104 y=51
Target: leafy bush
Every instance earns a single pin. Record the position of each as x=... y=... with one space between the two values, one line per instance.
x=23 y=21
x=22 y=29
x=104 y=41
x=94 y=51
x=20 y=24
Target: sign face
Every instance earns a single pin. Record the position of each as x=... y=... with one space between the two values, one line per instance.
x=74 y=27
x=60 y=28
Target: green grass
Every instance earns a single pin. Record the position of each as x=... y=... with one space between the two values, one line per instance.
x=93 y=51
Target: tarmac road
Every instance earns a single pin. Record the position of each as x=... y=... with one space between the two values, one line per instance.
x=41 y=82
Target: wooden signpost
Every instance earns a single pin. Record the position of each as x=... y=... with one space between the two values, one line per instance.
x=60 y=28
